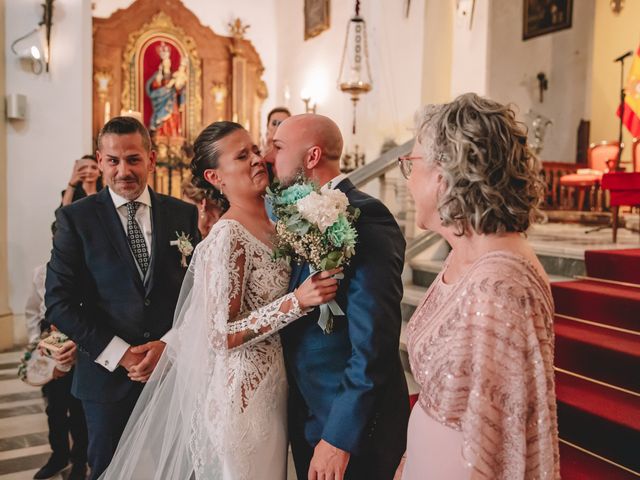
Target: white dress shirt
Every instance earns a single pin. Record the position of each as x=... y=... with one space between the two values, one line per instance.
x=34 y=310
x=334 y=182
x=111 y=356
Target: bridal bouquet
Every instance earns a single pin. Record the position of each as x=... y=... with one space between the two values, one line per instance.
x=314 y=226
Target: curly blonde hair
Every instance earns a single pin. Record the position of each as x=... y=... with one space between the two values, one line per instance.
x=493 y=181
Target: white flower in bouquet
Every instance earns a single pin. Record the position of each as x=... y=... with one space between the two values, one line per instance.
x=324 y=208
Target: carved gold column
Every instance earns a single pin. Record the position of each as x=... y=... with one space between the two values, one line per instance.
x=103 y=82
x=219 y=95
x=238 y=75
x=6 y=319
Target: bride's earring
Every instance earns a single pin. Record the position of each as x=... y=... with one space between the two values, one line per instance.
x=202 y=214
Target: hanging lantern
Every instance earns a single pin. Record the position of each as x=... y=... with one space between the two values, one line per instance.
x=355 y=72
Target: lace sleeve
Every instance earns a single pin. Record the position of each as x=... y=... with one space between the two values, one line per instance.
x=249 y=328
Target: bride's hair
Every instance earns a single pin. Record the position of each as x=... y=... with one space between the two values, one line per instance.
x=206 y=154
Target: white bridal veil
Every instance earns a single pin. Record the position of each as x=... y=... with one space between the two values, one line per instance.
x=177 y=429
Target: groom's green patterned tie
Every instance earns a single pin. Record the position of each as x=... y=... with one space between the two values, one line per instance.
x=136 y=238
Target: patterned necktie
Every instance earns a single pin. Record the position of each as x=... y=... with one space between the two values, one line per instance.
x=136 y=238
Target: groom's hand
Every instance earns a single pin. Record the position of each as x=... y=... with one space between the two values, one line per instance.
x=130 y=359
x=152 y=352
x=328 y=462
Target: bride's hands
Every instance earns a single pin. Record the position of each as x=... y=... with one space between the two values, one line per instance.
x=318 y=289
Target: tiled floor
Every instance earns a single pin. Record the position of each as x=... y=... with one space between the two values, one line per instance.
x=571 y=240
x=24 y=446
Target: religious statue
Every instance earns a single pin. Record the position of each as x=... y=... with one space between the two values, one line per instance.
x=167 y=91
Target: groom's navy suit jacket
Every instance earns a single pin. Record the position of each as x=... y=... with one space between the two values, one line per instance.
x=94 y=290
x=348 y=387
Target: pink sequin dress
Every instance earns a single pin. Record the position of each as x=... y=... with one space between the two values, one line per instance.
x=482 y=352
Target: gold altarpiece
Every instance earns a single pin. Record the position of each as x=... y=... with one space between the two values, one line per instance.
x=156 y=60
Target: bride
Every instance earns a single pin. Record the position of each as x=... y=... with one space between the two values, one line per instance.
x=215 y=406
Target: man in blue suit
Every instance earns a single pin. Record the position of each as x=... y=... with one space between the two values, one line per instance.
x=113 y=281
x=348 y=403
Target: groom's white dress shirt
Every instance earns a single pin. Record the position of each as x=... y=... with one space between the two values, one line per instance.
x=334 y=182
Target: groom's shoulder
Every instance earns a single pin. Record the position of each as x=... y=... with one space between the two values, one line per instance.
x=370 y=207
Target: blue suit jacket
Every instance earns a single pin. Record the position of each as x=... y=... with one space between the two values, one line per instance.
x=348 y=387
x=94 y=290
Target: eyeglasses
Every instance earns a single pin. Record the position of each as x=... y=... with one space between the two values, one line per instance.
x=405 y=163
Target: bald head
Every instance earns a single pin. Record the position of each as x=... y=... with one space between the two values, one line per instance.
x=315 y=130
x=310 y=143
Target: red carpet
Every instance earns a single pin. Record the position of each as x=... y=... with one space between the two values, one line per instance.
x=577 y=465
x=619 y=265
x=599 y=417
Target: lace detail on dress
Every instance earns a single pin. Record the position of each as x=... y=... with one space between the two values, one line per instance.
x=483 y=355
x=268 y=316
x=253 y=303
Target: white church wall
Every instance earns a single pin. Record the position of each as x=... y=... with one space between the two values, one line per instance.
x=470 y=54
x=42 y=148
x=564 y=56
x=396 y=54
x=437 y=51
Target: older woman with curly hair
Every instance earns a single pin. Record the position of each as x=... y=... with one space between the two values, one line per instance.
x=481 y=341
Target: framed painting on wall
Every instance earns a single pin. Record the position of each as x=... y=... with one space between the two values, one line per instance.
x=545 y=16
x=316 y=17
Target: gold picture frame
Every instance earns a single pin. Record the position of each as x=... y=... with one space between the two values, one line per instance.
x=541 y=17
x=316 y=17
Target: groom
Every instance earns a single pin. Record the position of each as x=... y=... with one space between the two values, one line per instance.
x=348 y=402
x=113 y=281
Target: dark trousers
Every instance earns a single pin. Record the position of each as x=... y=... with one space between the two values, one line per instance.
x=65 y=416
x=106 y=422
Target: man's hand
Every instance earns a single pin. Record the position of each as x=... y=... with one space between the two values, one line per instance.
x=151 y=352
x=66 y=356
x=328 y=462
x=130 y=359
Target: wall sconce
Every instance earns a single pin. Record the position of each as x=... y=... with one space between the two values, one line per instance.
x=219 y=93
x=309 y=107
x=616 y=6
x=36 y=55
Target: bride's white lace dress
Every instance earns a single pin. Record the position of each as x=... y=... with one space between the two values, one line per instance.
x=210 y=410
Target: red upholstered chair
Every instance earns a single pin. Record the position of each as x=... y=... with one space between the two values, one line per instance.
x=601 y=158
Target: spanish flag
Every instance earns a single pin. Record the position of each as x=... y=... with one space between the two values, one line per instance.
x=631 y=113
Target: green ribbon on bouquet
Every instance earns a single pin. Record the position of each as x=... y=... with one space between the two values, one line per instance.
x=328 y=310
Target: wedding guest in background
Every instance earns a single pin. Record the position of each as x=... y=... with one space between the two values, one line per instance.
x=210 y=205
x=85 y=180
x=275 y=117
x=64 y=412
x=113 y=281
x=481 y=342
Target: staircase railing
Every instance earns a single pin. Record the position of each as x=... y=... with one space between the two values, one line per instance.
x=392 y=187
x=420 y=243
x=395 y=195
x=380 y=166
